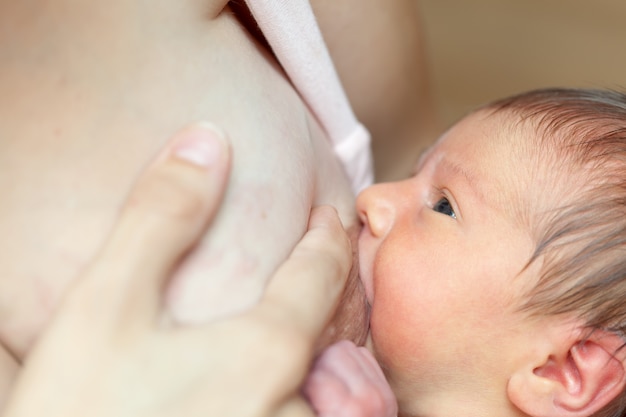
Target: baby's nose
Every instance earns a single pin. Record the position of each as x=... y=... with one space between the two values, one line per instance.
x=376 y=208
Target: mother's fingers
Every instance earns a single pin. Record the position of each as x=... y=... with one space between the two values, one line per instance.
x=294 y=407
x=165 y=213
x=303 y=293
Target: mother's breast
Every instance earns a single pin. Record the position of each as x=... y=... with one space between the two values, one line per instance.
x=284 y=165
x=77 y=126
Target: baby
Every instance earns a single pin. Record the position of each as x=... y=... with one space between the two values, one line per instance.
x=496 y=274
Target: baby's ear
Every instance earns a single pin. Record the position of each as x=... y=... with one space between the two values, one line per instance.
x=578 y=378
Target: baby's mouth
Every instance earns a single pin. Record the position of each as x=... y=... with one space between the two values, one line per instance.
x=366 y=264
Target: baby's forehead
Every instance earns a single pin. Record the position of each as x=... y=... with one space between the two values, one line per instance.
x=525 y=172
x=563 y=177
x=496 y=143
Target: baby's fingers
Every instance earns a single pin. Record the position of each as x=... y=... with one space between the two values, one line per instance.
x=165 y=213
x=346 y=381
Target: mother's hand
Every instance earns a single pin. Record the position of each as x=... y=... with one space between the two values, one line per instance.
x=110 y=351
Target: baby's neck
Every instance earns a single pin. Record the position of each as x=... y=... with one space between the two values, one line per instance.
x=455 y=401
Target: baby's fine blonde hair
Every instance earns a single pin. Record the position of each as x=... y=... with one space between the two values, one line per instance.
x=581 y=239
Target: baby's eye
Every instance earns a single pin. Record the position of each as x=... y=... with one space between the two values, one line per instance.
x=443 y=206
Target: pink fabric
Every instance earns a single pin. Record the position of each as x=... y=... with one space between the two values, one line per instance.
x=291 y=29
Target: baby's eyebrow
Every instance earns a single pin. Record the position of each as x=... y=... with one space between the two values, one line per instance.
x=467 y=174
x=459 y=170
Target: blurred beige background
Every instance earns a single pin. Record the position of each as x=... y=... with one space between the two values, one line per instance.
x=484 y=49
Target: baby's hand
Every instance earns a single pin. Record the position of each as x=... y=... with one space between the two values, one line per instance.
x=346 y=381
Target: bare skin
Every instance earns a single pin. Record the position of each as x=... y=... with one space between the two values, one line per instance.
x=91 y=92
x=150 y=367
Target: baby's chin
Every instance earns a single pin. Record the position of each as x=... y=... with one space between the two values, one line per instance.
x=351 y=320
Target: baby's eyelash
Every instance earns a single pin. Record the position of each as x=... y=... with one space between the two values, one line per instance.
x=441 y=203
x=443 y=206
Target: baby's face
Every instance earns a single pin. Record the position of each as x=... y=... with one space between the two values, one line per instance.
x=441 y=255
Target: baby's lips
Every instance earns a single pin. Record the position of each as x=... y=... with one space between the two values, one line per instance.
x=365 y=271
x=367 y=247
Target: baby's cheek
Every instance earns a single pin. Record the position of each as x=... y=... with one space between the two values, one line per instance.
x=397 y=328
